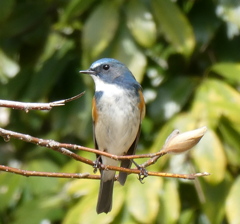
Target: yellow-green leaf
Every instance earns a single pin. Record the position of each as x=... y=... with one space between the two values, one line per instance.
x=85 y=210
x=171 y=202
x=209 y=157
x=143 y=199
x=215 y=98
x=36 y=211
x=230 y=71
x=100 y=28
x=42 y=186
x=10 y=187
x=233 y=203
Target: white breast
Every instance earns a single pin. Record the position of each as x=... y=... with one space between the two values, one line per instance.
x=118 y=119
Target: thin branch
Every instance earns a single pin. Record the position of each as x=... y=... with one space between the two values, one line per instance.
x=174 y=143
x=36 y=106
x=62 y=147
x=6 y=134
x=28 y=173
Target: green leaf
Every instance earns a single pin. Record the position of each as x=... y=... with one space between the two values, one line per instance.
x=74 y=9
x=231 y=135
x=44 y=185
x=78 y=188
x=141 y=24
x=35 y=211
x=229 y=71
x=187 y=216
x=209 y=157
x=6 y=7
x=10 y=188
x=24 y=17
x=126 y=51
x=85 y=210
x=100 y=29
x=174 y=25
x=48 y=72
x=214 y=198
x=170 y=202
x=204 y=26
x=143 y=199
x=233 y=203
x=215 y=99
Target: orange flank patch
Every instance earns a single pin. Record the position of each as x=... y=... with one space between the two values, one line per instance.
x=141 y=104
x=94 y=110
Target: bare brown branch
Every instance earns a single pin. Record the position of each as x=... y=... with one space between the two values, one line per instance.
x=28 y=173
x=55 y=145
x=36 y=106
x=187 y=140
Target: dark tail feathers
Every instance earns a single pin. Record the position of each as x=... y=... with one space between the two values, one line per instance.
x=105 y=196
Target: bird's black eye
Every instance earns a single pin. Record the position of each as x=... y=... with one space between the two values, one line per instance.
x=106 y=67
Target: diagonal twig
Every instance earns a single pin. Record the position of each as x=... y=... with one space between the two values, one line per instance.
x=36 y=106
x=62 y=147
x=169 y=146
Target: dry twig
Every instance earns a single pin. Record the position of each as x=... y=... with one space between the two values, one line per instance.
x=36 y=106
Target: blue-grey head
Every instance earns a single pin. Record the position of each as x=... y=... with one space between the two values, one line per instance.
x=111 y=71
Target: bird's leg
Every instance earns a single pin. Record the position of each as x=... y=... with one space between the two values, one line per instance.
x=143 y=172
x=97 y=164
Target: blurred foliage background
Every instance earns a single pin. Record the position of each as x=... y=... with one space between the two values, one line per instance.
x=186 y=54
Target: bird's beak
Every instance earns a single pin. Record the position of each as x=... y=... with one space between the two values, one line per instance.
x=90 y=72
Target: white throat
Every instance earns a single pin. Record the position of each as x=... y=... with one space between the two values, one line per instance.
x=106 y=87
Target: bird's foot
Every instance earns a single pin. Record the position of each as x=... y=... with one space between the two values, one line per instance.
x=97 y=164
x=143 y=172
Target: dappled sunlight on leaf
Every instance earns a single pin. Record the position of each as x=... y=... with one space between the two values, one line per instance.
x=8 y=67
x=171 y=98
x=141 y=24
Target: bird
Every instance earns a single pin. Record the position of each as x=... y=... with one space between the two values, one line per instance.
x=118 y=108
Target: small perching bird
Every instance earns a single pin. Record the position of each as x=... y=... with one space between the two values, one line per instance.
x=117 y=110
